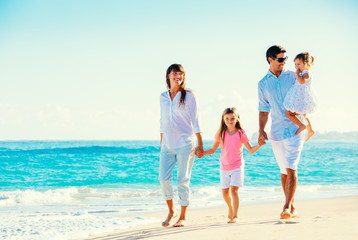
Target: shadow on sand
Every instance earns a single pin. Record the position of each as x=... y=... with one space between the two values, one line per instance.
x=161 y=231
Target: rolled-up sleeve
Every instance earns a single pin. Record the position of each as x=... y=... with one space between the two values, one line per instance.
x=264 y=105
x=193 y=108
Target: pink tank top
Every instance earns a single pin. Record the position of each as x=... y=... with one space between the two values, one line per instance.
x=231 y=155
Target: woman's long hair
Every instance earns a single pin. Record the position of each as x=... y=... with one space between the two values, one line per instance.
x=177 y=68
x=223 y=126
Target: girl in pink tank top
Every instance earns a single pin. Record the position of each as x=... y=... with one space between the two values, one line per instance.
x=231 y=138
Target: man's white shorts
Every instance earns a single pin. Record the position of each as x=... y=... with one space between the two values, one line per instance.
x=232 y=178
x=288 y=151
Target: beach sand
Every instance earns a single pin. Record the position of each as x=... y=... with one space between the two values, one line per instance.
x=319 y=219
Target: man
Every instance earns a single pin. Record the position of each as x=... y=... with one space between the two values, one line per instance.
x=286 y=145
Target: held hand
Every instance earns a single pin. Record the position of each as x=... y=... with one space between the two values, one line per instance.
x=196 y=151
x=199 y=151
x=262 y=134
x=262 y=137
x=260 y=142
x=199 y=154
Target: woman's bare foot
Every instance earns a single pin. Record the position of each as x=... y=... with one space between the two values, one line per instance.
x=309 y=135
x=169 y=218
x=180 y=223
x=233 y=220
x=300 y=129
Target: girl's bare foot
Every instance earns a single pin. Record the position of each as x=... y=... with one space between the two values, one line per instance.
x=309 y=135
x=231 y=213
x=233 y=220
x=169 y=218
x=300 y=129
x=180 y=223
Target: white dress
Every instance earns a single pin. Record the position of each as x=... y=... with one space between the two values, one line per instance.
x=301 y=97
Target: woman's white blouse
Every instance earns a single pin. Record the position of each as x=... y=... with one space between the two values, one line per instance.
x=178 y=123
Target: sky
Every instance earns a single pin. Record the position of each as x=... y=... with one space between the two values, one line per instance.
x=94 y=70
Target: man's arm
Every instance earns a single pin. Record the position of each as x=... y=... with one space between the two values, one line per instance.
x=263 y=117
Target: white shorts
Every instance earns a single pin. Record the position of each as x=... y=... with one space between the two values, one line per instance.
x=232 y=178
x=287 y=152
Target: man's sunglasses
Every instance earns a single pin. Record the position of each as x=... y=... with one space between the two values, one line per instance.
x=280 y=60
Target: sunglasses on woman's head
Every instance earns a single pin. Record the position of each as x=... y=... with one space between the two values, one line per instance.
x=280 y=60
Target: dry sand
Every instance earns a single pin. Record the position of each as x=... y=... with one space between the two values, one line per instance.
x=319 y=219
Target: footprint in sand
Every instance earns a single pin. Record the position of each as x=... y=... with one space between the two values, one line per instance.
x=315 y=219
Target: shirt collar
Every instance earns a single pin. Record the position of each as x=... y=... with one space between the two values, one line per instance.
x=270 y=74
x=178 y=95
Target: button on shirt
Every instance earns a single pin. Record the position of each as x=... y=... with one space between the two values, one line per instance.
x=272 y=91
x=178 y=123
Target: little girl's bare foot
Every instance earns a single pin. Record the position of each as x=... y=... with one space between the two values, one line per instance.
x=180 y=223
x=300 y=129
x=231 y=213
x=309 y=135
x=169 y=218
x=233 y=220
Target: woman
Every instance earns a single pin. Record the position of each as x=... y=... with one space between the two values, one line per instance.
x=178 y=128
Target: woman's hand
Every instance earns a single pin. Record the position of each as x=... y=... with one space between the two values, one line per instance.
x=199 y=151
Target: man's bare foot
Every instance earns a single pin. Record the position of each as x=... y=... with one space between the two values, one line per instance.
x=233 y=220
x=309 y=135
x=300 y=129
x=170 y=216
x=294 y=213
x=285 y=214
x=180 y=223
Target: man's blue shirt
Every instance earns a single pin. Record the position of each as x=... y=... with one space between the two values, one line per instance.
x=272 y=91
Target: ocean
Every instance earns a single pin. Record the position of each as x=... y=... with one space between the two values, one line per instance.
x=71 y=189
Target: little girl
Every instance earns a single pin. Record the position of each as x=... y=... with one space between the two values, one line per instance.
x=231 y=138
x=300 y=99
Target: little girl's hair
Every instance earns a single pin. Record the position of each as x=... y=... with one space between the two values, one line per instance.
x=223 y=126
x=306 y=58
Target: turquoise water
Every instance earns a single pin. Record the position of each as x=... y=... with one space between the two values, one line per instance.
x=67 y=189
x=43 y=165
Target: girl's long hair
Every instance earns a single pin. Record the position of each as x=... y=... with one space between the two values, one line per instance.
x=177 y=68
x=223 y=126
